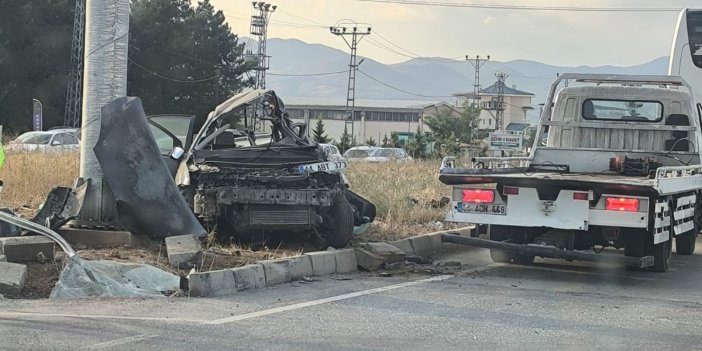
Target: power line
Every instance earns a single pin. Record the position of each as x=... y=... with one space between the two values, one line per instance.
x=402 y=90
x=171 y=79
x=524 y=7
x=307 y=74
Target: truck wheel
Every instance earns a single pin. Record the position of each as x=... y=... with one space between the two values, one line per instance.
x=501 y=233
x=661 y=255
x=685 y=243
x=339 y=230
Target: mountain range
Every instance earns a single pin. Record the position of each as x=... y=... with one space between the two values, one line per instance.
x=299 y=69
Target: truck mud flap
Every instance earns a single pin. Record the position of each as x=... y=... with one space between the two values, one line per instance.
x=148 y=200
x=365 y=210
x=549 y=251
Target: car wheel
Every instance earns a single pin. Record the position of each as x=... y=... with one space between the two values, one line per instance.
x=339 y=230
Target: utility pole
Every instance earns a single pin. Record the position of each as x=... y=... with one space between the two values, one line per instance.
x=351 y=30
x=71 y=117
x=105 y=73
x=500 y=108
x=259 y=27
x=477 y=62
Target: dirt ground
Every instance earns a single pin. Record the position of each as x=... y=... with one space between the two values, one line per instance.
x=42 y=277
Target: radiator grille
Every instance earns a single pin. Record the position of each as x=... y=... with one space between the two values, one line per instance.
x=285 y=217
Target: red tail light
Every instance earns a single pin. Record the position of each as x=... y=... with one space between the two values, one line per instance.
x=478 y=195
x=510 y=190
x=581 y=196
x=621 y=204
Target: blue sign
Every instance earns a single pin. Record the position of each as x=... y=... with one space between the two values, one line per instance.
x=37 y=115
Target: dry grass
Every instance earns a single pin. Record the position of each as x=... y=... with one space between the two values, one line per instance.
x=392 y=187
x=29 y=176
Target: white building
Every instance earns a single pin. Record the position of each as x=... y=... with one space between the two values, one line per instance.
x=516 y=104
x=373 y=118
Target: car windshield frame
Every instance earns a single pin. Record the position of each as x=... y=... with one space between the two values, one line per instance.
x=357 y=153
x=382 y=153
x=35 y=138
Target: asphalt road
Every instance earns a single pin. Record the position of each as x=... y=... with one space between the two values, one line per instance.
x=552 y=305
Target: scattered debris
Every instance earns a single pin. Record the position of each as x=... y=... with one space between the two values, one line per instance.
x=384 y=274
x=82 y=278
x=418 y=260
x=394 y=265
x=7 y=229
x=448 y=264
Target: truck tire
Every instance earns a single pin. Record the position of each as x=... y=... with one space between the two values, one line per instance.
x=339 y=231
x=501 y=233
x=661 y=255
x=685 y=243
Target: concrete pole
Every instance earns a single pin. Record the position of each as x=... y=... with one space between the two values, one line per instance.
x=105 y=79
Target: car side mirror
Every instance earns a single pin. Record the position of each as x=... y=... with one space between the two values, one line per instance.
x=176 y=153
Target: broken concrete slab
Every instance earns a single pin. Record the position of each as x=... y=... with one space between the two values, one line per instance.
x=369 y=260
x=277 y=271
x=183 y=250
x=300 y=266
x=323 y=262
x=389 y=252
x=405 y=245
x=345 y=261
x=12 y=278
x=426 y=245
x=26 y=248
x=96 y=239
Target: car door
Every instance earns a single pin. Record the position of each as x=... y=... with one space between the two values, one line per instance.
x=170 y=131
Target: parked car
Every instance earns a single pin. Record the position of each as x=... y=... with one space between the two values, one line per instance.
x=58 y=140
x=332 y=152
x=358 y=153
x=389 y=155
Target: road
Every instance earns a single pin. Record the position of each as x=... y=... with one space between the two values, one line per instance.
x=550 y=305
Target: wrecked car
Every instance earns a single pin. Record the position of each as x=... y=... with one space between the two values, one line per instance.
x=251 y=171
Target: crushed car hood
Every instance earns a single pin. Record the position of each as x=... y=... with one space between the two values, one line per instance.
x=148 y=200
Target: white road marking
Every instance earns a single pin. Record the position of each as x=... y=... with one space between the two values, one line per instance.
x=93 y=316
x=118 y=342
x=323 y=301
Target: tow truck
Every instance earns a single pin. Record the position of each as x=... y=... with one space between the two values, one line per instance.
x=615 y=167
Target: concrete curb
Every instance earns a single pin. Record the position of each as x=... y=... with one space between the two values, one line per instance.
x=430 y=244
x=228 y=282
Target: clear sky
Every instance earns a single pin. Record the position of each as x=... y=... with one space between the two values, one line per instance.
x=568 y=38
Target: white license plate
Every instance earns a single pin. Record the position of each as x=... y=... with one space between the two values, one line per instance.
x=490 y=209
x=330 y=166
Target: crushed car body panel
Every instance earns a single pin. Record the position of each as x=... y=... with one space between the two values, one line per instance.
x=148 y=201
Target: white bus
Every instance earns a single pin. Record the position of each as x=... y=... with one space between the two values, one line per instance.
x=686 y=54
